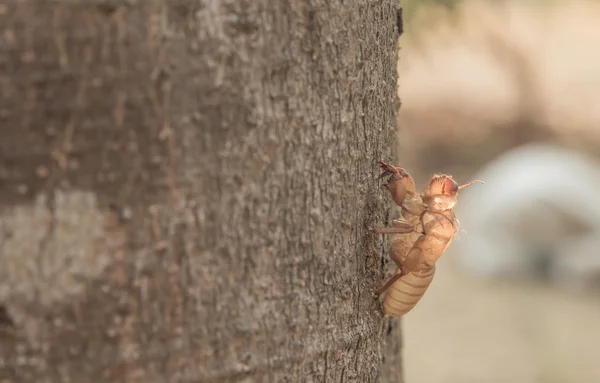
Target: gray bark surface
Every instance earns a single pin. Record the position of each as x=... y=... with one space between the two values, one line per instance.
x=185 y=188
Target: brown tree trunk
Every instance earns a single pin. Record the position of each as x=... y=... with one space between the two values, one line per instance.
x=185 y=188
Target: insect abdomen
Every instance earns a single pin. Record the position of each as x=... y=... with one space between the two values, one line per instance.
x=407 y=291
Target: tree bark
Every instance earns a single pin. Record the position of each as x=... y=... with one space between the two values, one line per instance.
x=186 y=186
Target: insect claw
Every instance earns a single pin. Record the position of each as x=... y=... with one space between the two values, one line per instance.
x=388 y=169
x=385 y=174
x=368 y=228
x=377 y=293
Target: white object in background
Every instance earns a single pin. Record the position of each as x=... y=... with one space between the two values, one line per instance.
x=538 y=213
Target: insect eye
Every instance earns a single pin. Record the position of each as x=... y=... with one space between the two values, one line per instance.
x=449 y=187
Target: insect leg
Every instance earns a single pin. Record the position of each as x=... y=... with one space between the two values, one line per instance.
x=423 y=222
x=390 y=282
x=399 y=226
x=400 y=184
x=388 y=169
x=413 y=258
x=410 y=264
x=437 y=218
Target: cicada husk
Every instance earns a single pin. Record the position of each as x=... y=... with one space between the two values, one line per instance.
x=416 y=264
x=431 y=217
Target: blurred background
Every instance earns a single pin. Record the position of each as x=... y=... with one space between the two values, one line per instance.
x=508 y=92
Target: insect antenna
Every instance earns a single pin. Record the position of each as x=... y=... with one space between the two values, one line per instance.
x=470 y=183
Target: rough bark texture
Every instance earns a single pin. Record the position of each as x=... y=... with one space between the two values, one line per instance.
x=185 y=188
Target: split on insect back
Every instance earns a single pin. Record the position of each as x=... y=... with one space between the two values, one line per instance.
x=423 y=233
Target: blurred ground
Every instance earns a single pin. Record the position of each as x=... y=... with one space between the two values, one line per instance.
x=474 y=83
x=467 y=330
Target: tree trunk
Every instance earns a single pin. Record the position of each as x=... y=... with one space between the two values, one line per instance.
x=186 y=186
